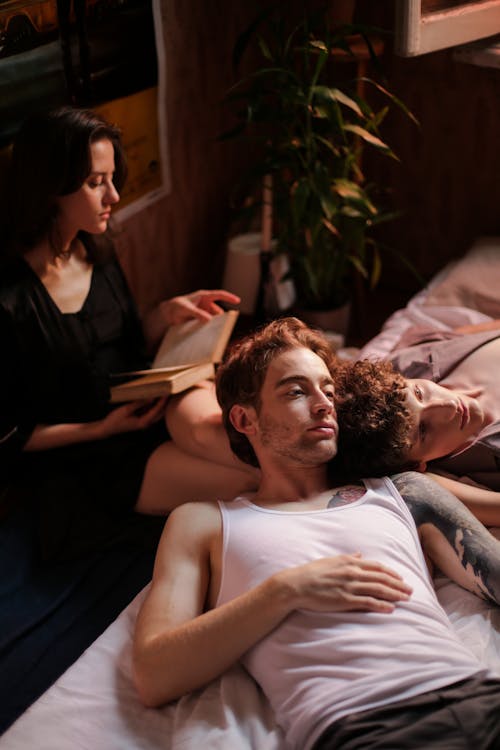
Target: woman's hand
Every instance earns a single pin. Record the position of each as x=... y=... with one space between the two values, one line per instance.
x=136 y=415
x=201 y=305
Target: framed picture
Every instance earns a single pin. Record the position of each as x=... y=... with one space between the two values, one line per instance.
x=104 y=54
x=427 y=25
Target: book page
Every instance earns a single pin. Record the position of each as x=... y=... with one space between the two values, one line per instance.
x=159 y=383
x=194 y=341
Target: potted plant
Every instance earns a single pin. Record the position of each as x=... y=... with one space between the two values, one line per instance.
x=312 y=131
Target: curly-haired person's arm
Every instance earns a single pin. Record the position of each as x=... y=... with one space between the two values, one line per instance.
x=452 y=538
x=481 y=501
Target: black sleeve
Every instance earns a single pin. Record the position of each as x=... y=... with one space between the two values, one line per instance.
x=16 y=420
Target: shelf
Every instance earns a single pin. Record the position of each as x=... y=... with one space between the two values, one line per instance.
x=485 y=53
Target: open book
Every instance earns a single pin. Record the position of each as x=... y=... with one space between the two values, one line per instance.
x=187 y=355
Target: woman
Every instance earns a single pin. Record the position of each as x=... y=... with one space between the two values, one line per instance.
x=67 y=320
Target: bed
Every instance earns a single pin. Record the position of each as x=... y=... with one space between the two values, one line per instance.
x=463 y=293
x=93 y=705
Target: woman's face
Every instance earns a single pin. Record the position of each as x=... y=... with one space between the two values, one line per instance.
x=89 y=207
x=443 y=420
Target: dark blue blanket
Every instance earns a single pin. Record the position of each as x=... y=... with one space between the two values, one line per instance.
x=51 y=610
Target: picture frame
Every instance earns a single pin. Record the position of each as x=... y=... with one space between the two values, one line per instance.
x=424 y=26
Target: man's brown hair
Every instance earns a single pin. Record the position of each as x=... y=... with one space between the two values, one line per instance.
x=374 y=423
x=240 y=377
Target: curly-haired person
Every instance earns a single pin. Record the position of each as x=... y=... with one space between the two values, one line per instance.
x=388 y=423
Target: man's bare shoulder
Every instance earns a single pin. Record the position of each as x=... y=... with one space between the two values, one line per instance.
x=189 y=532
x=195 y=518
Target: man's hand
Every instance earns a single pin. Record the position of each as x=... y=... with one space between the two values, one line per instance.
x=201 y=305
x=344 y=583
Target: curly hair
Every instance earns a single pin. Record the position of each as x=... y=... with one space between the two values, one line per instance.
x=374 y=423
x=240 y=377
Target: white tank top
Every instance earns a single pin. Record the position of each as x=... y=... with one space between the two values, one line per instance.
x=318 y=667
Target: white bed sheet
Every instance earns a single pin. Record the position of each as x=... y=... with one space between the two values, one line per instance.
x=94 y=706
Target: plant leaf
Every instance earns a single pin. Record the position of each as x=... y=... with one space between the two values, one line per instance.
x=393 y=99
x=387 y=216
x=358 y=265
x=371 y=139
x=339 y=96
x=352 y=213
x=380 y=116
x=348 y=189
x=321 y=112
x=264 y=48
x=331 y=228
x=327 y=144
x=245 y=37
x=319 y=45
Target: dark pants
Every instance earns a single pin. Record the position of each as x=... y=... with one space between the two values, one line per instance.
x=463 y=716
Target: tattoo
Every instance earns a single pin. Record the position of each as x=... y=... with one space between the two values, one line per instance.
x=345 y=496
x=444 y=523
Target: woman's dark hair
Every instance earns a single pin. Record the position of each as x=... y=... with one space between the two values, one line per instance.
x=51 y=157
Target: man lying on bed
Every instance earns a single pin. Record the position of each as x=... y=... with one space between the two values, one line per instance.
x=389 y=422
x=464 y=359
x=322 y=591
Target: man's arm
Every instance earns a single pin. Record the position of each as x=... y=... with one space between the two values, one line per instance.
x=179 y=646
x=451 y=536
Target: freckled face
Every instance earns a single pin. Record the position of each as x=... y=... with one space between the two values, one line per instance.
x=444 y=420
x=297 y=419
x=89 y=207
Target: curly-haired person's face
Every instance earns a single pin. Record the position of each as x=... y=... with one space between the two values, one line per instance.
x=444 y=421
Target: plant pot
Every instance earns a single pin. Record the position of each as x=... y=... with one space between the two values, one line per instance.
x=242 y=273
x=335 y=321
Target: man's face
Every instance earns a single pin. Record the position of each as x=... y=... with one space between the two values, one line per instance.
x=443 y=420
x=296 y=421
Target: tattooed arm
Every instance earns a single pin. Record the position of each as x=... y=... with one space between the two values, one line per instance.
x=484 y=503
x=454 y=540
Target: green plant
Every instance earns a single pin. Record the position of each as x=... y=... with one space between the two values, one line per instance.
x=312 y=131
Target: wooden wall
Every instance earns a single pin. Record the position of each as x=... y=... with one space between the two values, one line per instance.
x=177 y=244
x=446 y=184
